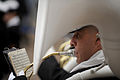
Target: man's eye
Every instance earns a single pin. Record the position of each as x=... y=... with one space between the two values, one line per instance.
x=77 y=36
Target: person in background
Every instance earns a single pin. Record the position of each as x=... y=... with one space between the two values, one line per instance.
x=10 y=19
x=13 y=18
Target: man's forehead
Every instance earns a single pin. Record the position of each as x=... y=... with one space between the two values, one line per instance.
x=81 y=31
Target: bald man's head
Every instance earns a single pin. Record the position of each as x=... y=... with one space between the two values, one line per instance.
x=85 y=42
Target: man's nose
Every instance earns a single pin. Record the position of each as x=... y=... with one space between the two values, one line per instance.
x=73 y=42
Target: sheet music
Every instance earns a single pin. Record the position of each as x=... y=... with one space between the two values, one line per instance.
x=20 y=60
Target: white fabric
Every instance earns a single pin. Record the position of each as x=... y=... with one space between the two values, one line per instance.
x=85 y=75
x=96 y=59
x=15 y=21
x=11 y=76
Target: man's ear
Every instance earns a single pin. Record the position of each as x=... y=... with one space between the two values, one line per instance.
x=98 y=43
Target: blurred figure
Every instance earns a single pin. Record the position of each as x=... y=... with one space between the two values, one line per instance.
x=11 y=12
x=12 y=21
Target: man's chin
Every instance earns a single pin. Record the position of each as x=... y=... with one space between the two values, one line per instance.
x=77 y=61
x=75 y=53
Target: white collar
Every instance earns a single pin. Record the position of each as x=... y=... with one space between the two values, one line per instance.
x=96 y=59
x=15 y=21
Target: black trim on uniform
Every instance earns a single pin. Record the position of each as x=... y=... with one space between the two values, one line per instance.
x=50 y=70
